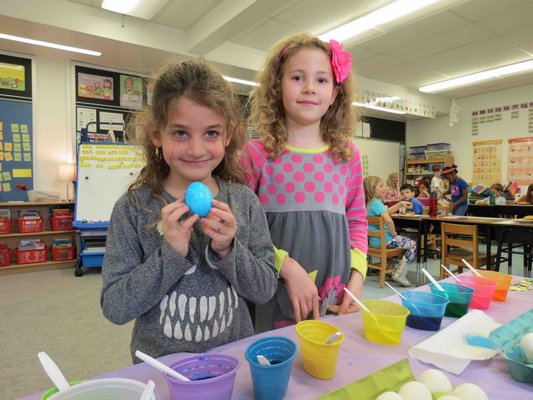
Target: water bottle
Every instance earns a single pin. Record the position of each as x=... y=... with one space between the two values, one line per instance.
x=433 y=204
x=492 y=199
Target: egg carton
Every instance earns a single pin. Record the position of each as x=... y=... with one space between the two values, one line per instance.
x=392 y=378
x=506 y=338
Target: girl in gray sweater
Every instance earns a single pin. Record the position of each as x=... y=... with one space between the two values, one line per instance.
x=186 y=280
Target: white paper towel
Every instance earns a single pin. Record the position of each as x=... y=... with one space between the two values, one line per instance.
x=448 y=350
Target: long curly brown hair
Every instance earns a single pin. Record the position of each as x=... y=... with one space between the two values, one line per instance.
x=268 y=114
x=200 y=83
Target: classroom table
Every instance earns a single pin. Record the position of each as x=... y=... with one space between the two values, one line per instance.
x=500 y=210
x=488 y=225
x=359 y=357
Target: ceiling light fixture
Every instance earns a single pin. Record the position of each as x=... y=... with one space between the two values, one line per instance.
x=144 y=9
x=466 y=80
x=241 y=81
x=378 y=108
x=381 y=16
x=50 y=44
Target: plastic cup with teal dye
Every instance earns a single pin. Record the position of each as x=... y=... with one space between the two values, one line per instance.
x=270 y=382
x=427 y=310
x=483 y=291
x=459 y=297
x=212 y=376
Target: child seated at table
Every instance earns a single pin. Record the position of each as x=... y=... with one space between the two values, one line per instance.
x=423 y=190
x=497 y=189
x=527 y=198
x=375 y=207
x=408 y=194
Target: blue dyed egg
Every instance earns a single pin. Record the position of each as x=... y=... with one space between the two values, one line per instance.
x=198 y=197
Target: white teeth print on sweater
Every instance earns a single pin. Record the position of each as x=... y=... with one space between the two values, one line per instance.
x=196 y=319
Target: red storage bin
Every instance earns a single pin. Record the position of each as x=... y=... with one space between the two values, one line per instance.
x=62 y=222
x=30 y=225
x=62 y=253
x=4 y=258
x=5 y=226
x=30 y=256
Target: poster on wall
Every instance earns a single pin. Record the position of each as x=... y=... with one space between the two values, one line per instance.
x=486 y=162
x=15 y=77
x=131 y=92
x=16 y=155
x=12 y=76
x=520 y=168
x=95 y=86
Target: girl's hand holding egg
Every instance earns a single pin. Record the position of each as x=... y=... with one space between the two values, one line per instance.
x=220 y=226
x=176 y=228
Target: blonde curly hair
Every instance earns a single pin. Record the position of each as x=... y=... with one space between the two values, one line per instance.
x=268 y=114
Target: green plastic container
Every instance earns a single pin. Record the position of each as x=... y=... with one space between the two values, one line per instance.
x=507 y=339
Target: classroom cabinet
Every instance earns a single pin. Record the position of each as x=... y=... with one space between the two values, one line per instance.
x=45 y=228
x=416 y=170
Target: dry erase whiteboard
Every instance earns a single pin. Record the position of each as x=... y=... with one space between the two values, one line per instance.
x=383 y=156
x=104 y=172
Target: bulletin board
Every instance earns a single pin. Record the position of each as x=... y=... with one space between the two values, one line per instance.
x=104 y=172
x=16 y=153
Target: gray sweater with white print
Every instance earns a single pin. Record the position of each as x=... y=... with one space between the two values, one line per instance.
x=186 y=304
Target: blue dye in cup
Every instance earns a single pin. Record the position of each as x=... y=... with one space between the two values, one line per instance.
x=270 y=382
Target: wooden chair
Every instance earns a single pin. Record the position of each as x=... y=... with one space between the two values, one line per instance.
x=382 y=252
x=464 y=240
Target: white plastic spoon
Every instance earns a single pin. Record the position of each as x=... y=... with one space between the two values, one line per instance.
x=470 y=267
x=160 y=366
x=148 y=390
x=450 y=273
x=53 y=372
x=433 y=281
x=361 y=305
x=403 y=297
x=357 y=301
x=333 y=338
x=395 y=291
x=263 y=360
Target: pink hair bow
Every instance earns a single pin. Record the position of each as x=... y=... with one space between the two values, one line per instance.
x=341 y=61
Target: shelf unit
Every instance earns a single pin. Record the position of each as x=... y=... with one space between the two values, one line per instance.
x=422 y=168
x=47 y=235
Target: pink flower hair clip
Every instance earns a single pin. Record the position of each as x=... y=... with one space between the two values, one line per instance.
x=341 y=61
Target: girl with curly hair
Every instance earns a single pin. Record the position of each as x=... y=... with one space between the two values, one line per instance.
x=308 y=176
x=186 y=280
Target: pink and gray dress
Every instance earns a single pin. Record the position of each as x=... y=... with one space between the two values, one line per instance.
x=316 y=212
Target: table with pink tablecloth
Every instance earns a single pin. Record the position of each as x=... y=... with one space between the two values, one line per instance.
x=360 y=357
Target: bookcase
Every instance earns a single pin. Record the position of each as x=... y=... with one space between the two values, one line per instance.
x=421 y=169
x=51 y=229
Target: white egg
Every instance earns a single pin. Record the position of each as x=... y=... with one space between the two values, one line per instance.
x=527 y=345
x=469 y=391
x=389 y=396
x=449 y=397
x=435 y=380
x=415 y=391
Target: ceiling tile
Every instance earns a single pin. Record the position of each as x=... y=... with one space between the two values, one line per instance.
x=509 y=20
x=262 y=37
x=183 y=14
x=320 y=16
x=415 y=32
x=475 y=10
